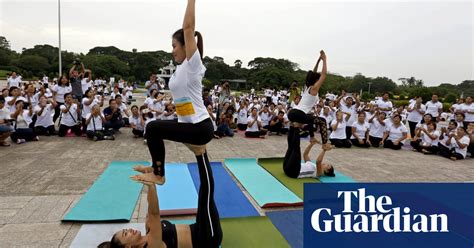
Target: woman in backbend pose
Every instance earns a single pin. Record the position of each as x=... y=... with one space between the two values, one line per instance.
x=194 y=127
x=206 y=232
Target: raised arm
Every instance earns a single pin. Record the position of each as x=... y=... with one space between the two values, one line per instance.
x=319 y=83
x=153 y=219
x=189 y=26
x=307 y=151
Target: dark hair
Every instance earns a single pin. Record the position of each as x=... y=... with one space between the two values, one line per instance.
x=67 y=94
x=462 y=114
x=179 y=36
x=423 y=120
x=454 y=123
x=87 y=91
x=330 y=172
x=110 y=101
x=11 y=89
x=113 y=243
x=311 y=78
x=397 y=115
x=281 y=112
x=118 y=96
x=134 y=106
x=361 y=113
x=463 y=128
x=432 y=123
x=386 y=93
x=60 y=79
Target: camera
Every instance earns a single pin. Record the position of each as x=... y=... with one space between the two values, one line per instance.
x=76 y=61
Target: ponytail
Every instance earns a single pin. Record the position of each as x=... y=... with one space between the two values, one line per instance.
x=179 y=36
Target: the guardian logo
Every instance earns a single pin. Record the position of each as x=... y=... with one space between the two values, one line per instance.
x=375 y=215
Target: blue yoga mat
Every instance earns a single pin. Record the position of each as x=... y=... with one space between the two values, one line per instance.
x=339 y=178
x=112 y=197
x=290 y=225
x=261 y=185
x=177 y=196
x=230 y=200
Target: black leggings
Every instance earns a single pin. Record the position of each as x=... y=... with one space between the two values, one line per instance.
x=206 y=232
x=57 y=111
x=256 y=134
x=449 y=153
x=356 y=142
x=296 y=115
x=417 y=145
x=341 y=143
x=158 y=131
x=389 y=144
x=375 y=141
x=27 y=134
x=292 y=161
x=137 y=132
x=40 y=130
x=412 y=128
x=241 y=127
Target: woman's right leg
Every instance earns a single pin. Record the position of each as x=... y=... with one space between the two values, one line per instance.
x=249 y=134
x=62 y=130
x=57 y=111
x=375 y=141
x=40 y=130
x=412 y=128
x=292 y=161
x=159 y=130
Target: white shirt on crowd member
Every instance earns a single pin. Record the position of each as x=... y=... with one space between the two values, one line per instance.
x=361 y=129
x=340 y=132
x=265 y=117
x=464 y=140
x=433 y=108
x=254 y=127
x=96 y=122
x=469 y=117
x=415 y=116
x=61 y=91
x=385 y=104
x=427 y=141
x=46 y=118
x=85 y=84
x=14 y=82
x=377 y=129
x=135 y=120
x=396 y=133
x=69 y=118
x=87 y=109
x=351 y=110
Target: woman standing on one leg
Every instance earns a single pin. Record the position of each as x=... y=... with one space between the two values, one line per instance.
x=194 y=126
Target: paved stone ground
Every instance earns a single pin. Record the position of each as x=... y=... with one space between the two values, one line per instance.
x=41 y=181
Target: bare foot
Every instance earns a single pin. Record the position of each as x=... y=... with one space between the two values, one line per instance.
x=149 y=177
x=143 y=169
x=454 y=158
x=297 y=124
x=197 y=149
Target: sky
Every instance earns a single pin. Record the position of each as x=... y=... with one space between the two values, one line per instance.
x=429 y=40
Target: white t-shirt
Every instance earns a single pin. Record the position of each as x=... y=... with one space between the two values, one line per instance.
x=340 y=132
x=23 y=120
x=242 y=116
x=254 y=127
x=97 y=121
x=464 y=140
x=307 y=101
x=129 y=92
x=135 y=120
x=415 y=116
x=66 y=118
x=87 y=109
x=426 y=140
x=5 y=113
x=361 y=129
x=157 y=106
x=385 y=104
x=351 y=110
x=376 y=129
x=432 y=108
x=12 y=108
x=396 y=133
x=468 y=108
x=46 y=118
x=308 y=169
x=61 y=91
x=14 y=82
x=186 y=88
x=85 y=84
x=266 y=117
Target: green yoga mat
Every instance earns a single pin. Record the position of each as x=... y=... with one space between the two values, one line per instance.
x=275 y=167
x=262 y=186
x=237 y=232
x=251 y=232
x=112 y=197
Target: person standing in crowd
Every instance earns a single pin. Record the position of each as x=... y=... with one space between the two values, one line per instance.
x=6 y=128
x=59 y=91
x=69 y=119
x=13 y=80
x=44 y=111
x=136 y=122
x=294 y=92
x=338 y=136
x=456 y=108
x=152 y=84
x=468 y=109
x=75 y=79
x=94 y=122
x=360 y=131
x=86 y=82
x=254 y=126
x=113 y=116
x=385 y=104
x=377 y=129
x=416 y=110
x=395 y=134
x=426 y=140
x=434 y=108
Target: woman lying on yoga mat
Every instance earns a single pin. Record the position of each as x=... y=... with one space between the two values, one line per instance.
x=194 y=126
x=206 y=232
x=296 y=169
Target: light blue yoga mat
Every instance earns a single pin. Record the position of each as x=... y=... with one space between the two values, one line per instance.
x=112 y=197
x=178 y=196
x=229 y=199
x=261 y=185
x=339 y=178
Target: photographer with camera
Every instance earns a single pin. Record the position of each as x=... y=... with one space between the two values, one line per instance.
x=6 y=128
x=113 y=116
x=75 y=79
x=69 y=119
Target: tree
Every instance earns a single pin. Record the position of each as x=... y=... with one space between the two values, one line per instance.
x=4 y=43
x=33 y=63
x=238 y=63
x=411 y=82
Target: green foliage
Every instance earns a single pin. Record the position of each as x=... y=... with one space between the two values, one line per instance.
x=450 y=98
x=34 y=64
x=398 y=103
